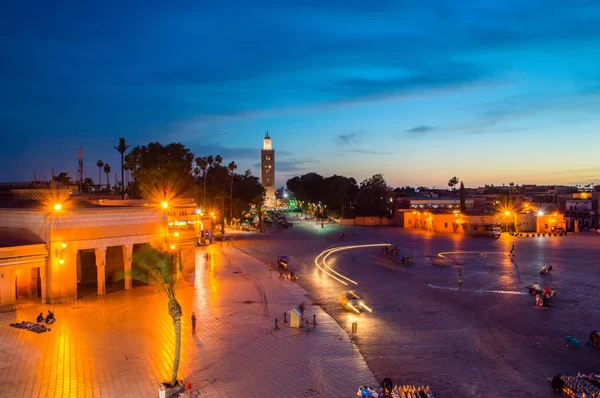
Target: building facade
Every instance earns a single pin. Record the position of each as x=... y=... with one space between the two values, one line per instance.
x=267 y=170
x=59 y=255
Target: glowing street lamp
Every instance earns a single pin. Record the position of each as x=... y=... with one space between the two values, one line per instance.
x=58 y=207
x=164 y=205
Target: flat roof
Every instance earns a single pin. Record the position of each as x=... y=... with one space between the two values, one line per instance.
x=11 y=237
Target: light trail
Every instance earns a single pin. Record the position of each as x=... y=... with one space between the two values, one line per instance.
x=442 y=254
x=477 y=290
x=333 y=273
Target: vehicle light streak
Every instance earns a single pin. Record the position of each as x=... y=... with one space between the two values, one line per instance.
x=477 y=290
x=331 y=272
x=442 y=255
x=353 y=308
x=365 y=307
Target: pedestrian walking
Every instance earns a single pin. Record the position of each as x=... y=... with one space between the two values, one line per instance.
x=193 y=323
x=301 y=309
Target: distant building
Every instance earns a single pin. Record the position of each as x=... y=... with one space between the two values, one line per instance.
x=267 y=170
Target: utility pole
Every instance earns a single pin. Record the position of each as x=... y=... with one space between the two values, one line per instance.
x=80 y=176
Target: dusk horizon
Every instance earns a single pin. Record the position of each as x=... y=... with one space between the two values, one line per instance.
x=492 y=93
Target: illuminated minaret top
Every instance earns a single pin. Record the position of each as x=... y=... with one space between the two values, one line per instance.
x=267 y=142
x=267 y=170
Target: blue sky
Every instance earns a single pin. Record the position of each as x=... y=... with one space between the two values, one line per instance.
x=420 y=91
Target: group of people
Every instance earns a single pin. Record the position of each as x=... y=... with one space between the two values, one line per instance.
x=391 y=252
x=406 y=260
x=48 y=319
x=542 y=297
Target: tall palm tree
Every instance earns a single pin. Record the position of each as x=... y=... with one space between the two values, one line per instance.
x=202 y=163
x=218 y=161
x=232 y=168
x=159 y=267
x=122 y=148
x=99 y=164
x=107 y=171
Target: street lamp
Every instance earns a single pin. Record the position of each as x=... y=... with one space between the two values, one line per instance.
x=506 y=214
x=58 y=207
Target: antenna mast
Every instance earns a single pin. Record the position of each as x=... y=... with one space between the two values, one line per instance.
x=80 y=169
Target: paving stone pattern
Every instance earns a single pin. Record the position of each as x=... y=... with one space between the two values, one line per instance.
x=120 y=345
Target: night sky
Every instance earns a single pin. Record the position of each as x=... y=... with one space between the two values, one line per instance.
x=420 y=91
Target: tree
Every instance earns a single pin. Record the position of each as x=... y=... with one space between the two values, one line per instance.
x=463 y=205
x=162 y=173
x=203 y=165
x=221 y=197
x=99 y=164
x=374 y=197
x=218 y=161
x=232 y=167
x=259 y=202
x=107 y=171
x=122 y=148
x=159 y=267
x=453 y=182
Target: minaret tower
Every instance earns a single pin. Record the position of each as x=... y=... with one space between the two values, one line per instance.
x=267 y=170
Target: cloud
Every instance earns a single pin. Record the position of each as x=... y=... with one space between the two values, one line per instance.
x=419 y=130
x=370 y=152
x=348 y=139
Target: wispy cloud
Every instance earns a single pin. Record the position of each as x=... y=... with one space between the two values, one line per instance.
x=349 y=139
x=420 y=130
x=370 y=152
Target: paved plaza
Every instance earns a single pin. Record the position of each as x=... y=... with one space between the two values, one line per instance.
x=120 y=345
x=484 y=337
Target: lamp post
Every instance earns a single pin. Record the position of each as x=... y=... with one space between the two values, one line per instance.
x=165 y=205
x=506 y=214
x=59 y=252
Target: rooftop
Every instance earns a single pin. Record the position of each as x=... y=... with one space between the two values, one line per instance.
x=10 y=237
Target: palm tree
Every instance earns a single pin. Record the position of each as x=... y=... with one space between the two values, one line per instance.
x=202 y=163
x=453 y=182
x=122 y=148
x=218 y=161
x=107 y=171
x=159 y=267
x=232 y=168
x=99 y=164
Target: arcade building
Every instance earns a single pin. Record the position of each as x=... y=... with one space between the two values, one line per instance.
x=58 y=251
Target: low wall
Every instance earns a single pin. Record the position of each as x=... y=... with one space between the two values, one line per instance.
x=367 y=221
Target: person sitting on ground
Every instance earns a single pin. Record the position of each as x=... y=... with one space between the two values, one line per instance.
x=544 y=269
x=546 y=290
x=550 y=269
x=553 y=293
x=595 y=338
x=545 y=302
x=409 y=259
x=537 y=300
x=403 y=259
x=535 y=288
